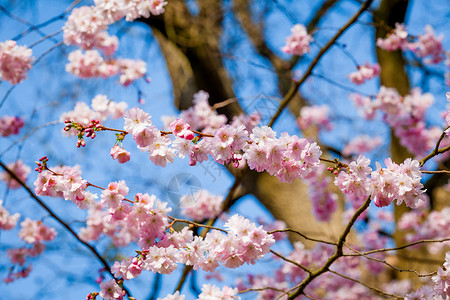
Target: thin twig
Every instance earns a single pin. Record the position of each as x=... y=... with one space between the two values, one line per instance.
x=296 y=84
x=436 y=150
x=367 y=286
x=175 y=220
x=399 y=247
x=390 y=265
x=291 y=261
x=302 y=235
x=335 y=256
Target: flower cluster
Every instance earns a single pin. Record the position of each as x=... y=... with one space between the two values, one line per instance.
x=396 y=39
x=181 y=129
x=323 y=200
x=33 y=233
x=15 y=61
x=315 y=115
x=442 y=278
x=209 y=292
x=201 y=116
x=422 y=224
x=119 y=153
x=101 y=108
x=131 y=10
x=111 y=290
x=406 y=115
x=7 y=221
x=326 y=286
x=201 y=205
x=400 y=182
x=20 y=169
x=364 y=73
x=86 y=27
x=361 y=144
x=63 y=182
x=426 y=45
x=91 y=64
x=244 y=243
x=298 y=42
x=288 y=157
x=429 y=45
x=10 y=125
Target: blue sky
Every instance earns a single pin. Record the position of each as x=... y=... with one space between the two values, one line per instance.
x=67 y=270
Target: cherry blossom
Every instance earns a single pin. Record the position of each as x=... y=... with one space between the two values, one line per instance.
x=15 y=61
x=10 y=125
x=298 y=42
x=364 y=73
x=111 y=290
x=201 y=205
x=20 y=170
x=120 y=154
x=314 y=116
x=396 y=39
x=7 y=221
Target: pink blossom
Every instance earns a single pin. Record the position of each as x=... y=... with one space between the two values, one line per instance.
x=365 y=105
x=82 y=26
x=20 y=170
x=210 y=292
x=127 y=269
x=18 y=255
x=111 y=290
x=136 y=120
x=442 y=282
x=201 y=205
x=120 y=154
x=10 y=125
x=364 y=73
x=361 y=144
x=161 y=260
x=201 y=116
x=429 y=45
x=90 y=64
x=130 y=70
x=181 y=129
x=114 y=194
x=314 y=116
x=324 y=201
x=7 y=221
x=160 y=152
x=175 y=296
x=35 y=232
x=298 y=42
x=396 y=39
x=15 y=61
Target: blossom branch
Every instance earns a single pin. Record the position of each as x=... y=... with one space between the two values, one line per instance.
x=63 y=224
x=296 y=84
x=226 y=204
x=367 y=286
x=291 y=261
x=390 y=265
x=335 y=256
x=398 y=248
x=436 y=150
x=175 y=220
